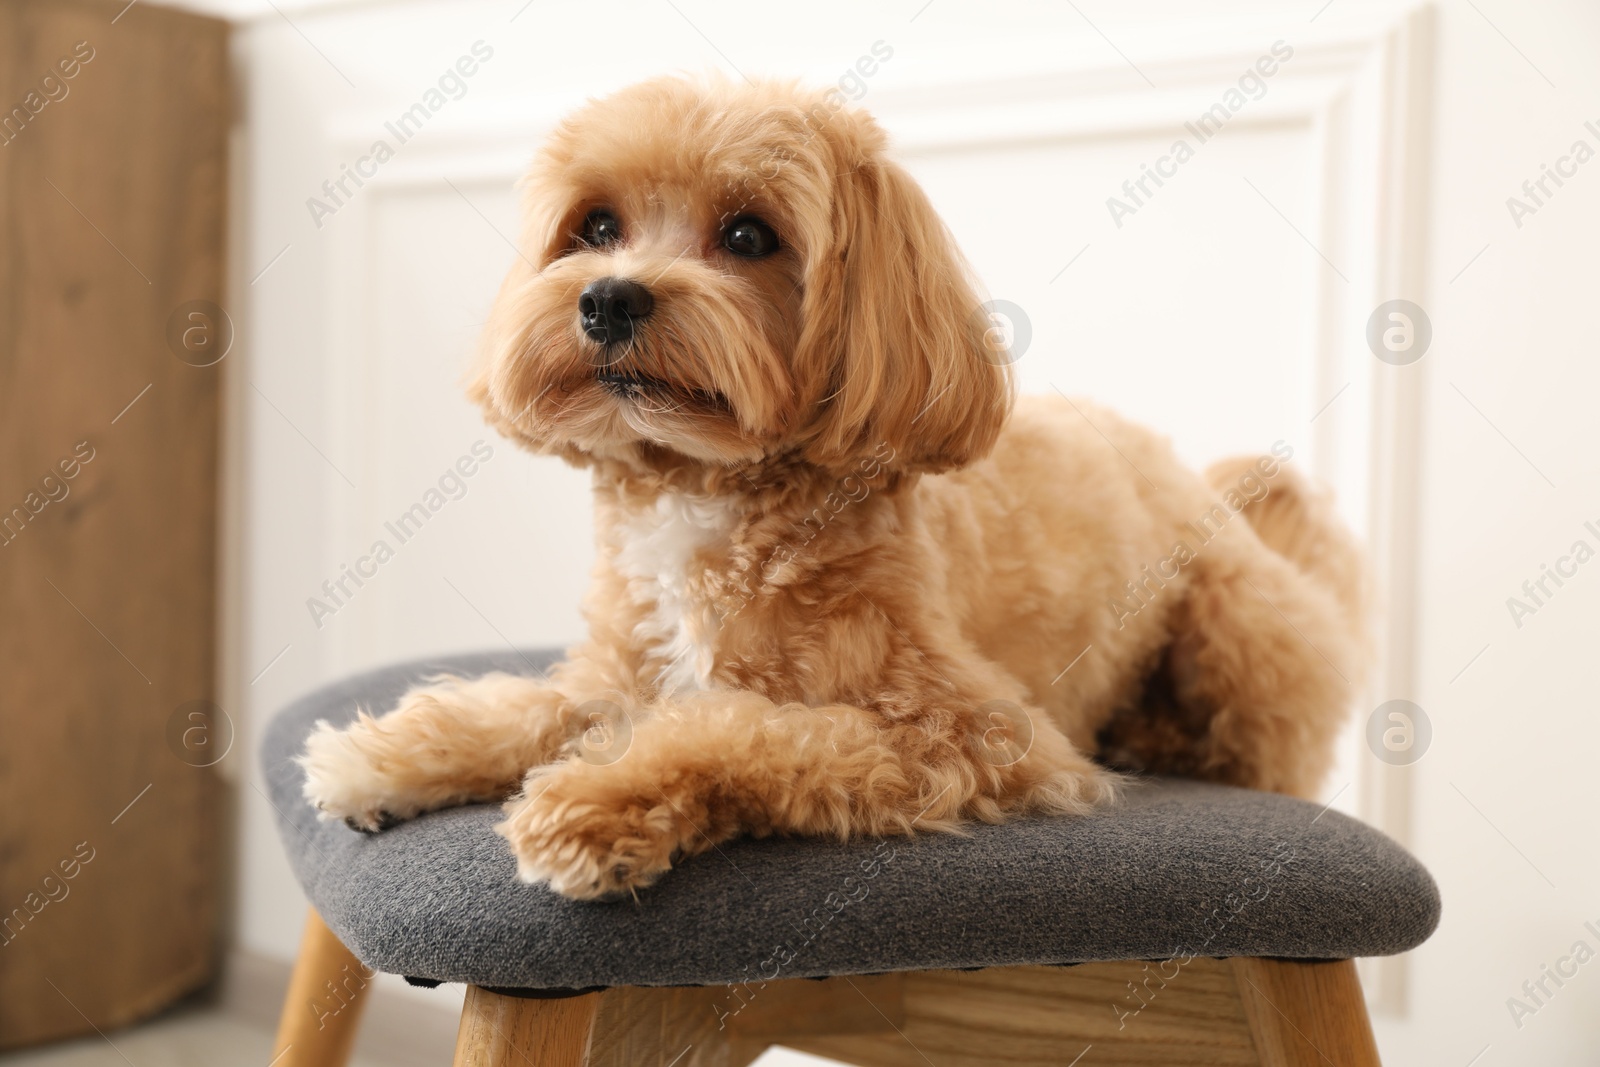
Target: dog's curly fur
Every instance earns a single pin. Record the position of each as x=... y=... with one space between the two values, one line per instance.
x=842 y=587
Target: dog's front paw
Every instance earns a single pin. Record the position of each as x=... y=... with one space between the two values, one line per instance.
x=588 y=837
x=346 y=779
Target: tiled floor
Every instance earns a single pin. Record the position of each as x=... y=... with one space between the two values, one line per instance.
x=209 y=1038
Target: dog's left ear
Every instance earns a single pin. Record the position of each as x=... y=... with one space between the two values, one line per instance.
x=894 y=345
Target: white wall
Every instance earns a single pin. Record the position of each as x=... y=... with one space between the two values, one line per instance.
x=1515 y=734
x=1205 y=314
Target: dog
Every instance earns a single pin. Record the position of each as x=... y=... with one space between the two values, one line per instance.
x=847 y=584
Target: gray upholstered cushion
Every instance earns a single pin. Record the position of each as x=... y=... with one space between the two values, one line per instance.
x=1176 y=867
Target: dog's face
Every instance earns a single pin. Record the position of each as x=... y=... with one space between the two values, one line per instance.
x=728 y=273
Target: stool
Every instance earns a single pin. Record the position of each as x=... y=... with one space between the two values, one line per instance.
x=1188 y=923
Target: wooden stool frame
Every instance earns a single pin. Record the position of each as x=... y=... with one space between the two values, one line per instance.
x=1204 y=1013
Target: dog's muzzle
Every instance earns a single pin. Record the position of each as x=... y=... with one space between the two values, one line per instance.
x=611 y=308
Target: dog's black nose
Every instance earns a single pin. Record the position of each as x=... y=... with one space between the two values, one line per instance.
x=611 y=307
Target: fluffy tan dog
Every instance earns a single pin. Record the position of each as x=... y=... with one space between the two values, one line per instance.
x=842 y=588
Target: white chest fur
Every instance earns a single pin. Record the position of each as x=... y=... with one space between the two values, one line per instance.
x=661 y=551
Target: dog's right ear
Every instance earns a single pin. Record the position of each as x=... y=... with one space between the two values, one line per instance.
x=499 y=380
x=894 y=342
x=491 y=379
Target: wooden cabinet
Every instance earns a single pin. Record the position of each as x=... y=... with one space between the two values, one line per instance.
x=113 y=137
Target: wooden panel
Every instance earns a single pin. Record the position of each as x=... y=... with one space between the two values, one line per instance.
x=1037 y=1016
x=849 y=1005
x=729 y=1026
x=1205 y=1013
x=111 y=216
x=657 y=1027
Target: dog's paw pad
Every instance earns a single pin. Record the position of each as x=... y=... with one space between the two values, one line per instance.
x=373 y=824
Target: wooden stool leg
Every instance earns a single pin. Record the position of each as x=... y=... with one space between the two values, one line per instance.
x=322 y=1008
x=500 y=1031
x=1306 y=1014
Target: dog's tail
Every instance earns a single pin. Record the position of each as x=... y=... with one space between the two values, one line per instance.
x=1298 y=520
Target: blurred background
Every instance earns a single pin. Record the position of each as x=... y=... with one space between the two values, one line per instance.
x=232 y=332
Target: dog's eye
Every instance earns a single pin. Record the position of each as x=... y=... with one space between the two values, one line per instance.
x=600 y=228
x=749 y=236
